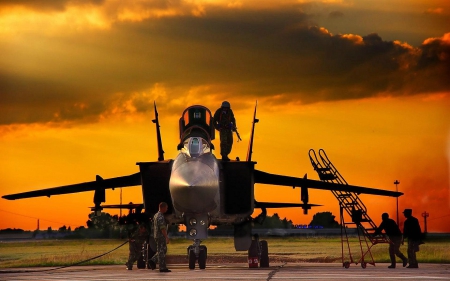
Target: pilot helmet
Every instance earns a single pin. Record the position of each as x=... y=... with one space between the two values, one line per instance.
x=226 y=104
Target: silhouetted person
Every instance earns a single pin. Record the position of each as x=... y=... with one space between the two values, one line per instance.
x=225 y=123
x=136 y=239
x=395 y=235
x=161 y=239
x=412 y=231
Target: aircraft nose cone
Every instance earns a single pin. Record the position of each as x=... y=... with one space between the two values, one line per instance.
x=194 y=187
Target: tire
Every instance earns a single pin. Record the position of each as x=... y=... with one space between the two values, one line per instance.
x=192 y=259
x=264 y=261
x=202 y=257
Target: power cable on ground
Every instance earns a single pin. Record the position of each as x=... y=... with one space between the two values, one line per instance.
x=61 y=267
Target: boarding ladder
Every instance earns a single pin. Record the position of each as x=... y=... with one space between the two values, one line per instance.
x=353 y=206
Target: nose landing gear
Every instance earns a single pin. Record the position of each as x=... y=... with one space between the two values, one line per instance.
x=197 y=252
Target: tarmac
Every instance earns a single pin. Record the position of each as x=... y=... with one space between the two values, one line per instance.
x=280 y=271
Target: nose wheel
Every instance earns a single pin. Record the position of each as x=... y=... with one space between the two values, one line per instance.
x=197 y=253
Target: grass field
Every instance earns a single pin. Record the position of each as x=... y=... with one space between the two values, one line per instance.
x=68 y=252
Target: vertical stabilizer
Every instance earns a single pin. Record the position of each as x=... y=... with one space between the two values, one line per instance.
x=158 y=135
x=250 y=144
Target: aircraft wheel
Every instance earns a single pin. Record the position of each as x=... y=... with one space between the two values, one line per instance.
x=346 y=264
x=192 y=259
x=264 y=261
x=364 y=264
x=202 y=257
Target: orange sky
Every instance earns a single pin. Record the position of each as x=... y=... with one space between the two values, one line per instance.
x=77 y=83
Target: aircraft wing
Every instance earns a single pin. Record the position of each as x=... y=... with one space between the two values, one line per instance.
x=122 y=206
x=270 y=205
x=130 y=180
x=266 y=178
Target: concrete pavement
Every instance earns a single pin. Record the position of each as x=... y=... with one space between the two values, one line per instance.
x=284 y=271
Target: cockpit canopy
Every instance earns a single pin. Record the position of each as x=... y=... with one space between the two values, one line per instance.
x=195 y=147
x=197 y=121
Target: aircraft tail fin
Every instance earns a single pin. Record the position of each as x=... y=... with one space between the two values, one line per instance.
x=250 y=144
x=158 y=135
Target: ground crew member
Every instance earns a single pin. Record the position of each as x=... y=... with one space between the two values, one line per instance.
x=412 y=231
x=225 y=123
x=136 y=240
x=161 y=239
x=395 y=235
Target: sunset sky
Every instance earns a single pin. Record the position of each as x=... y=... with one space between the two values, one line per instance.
x=366 y=80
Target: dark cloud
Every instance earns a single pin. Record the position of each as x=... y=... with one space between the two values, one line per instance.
x=236 y=52
x=336 y=14
x=47 y=5
x=434 y=61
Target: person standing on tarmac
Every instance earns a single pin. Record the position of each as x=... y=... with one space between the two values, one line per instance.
x=161 y=239
x=136 y=240
x=395 y=235
x=225 y=123
x=412 y=231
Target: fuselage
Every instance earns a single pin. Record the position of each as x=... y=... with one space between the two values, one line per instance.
x=197 y=190
x=195 y=179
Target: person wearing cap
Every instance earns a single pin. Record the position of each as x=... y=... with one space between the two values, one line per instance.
x=395 y=235
x=225 y=123
x=412 y=231
x=161 y=238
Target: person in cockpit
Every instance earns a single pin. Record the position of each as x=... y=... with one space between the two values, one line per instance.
x=225 y=123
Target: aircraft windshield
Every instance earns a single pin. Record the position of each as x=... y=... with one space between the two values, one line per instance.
x=195 y=147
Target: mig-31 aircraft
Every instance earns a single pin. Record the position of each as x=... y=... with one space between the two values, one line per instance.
x=200 y=189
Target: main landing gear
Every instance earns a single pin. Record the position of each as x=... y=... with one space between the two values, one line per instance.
x=197 y=252
x=258 y=253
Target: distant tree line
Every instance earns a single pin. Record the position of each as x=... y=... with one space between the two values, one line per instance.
x=97 y=226
x=324 y=220
x=108 y=226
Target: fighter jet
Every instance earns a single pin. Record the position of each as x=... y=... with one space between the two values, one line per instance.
x=200 y=189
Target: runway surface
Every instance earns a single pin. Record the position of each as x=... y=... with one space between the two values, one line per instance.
x=285 y=271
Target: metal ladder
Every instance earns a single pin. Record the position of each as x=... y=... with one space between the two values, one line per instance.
x=353 y=206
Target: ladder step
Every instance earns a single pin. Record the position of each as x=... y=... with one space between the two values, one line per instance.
x=370 y=229
x=351 y=204
x=322 y=169
x=344 y=195
x=326 y=177
x=379 y=241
